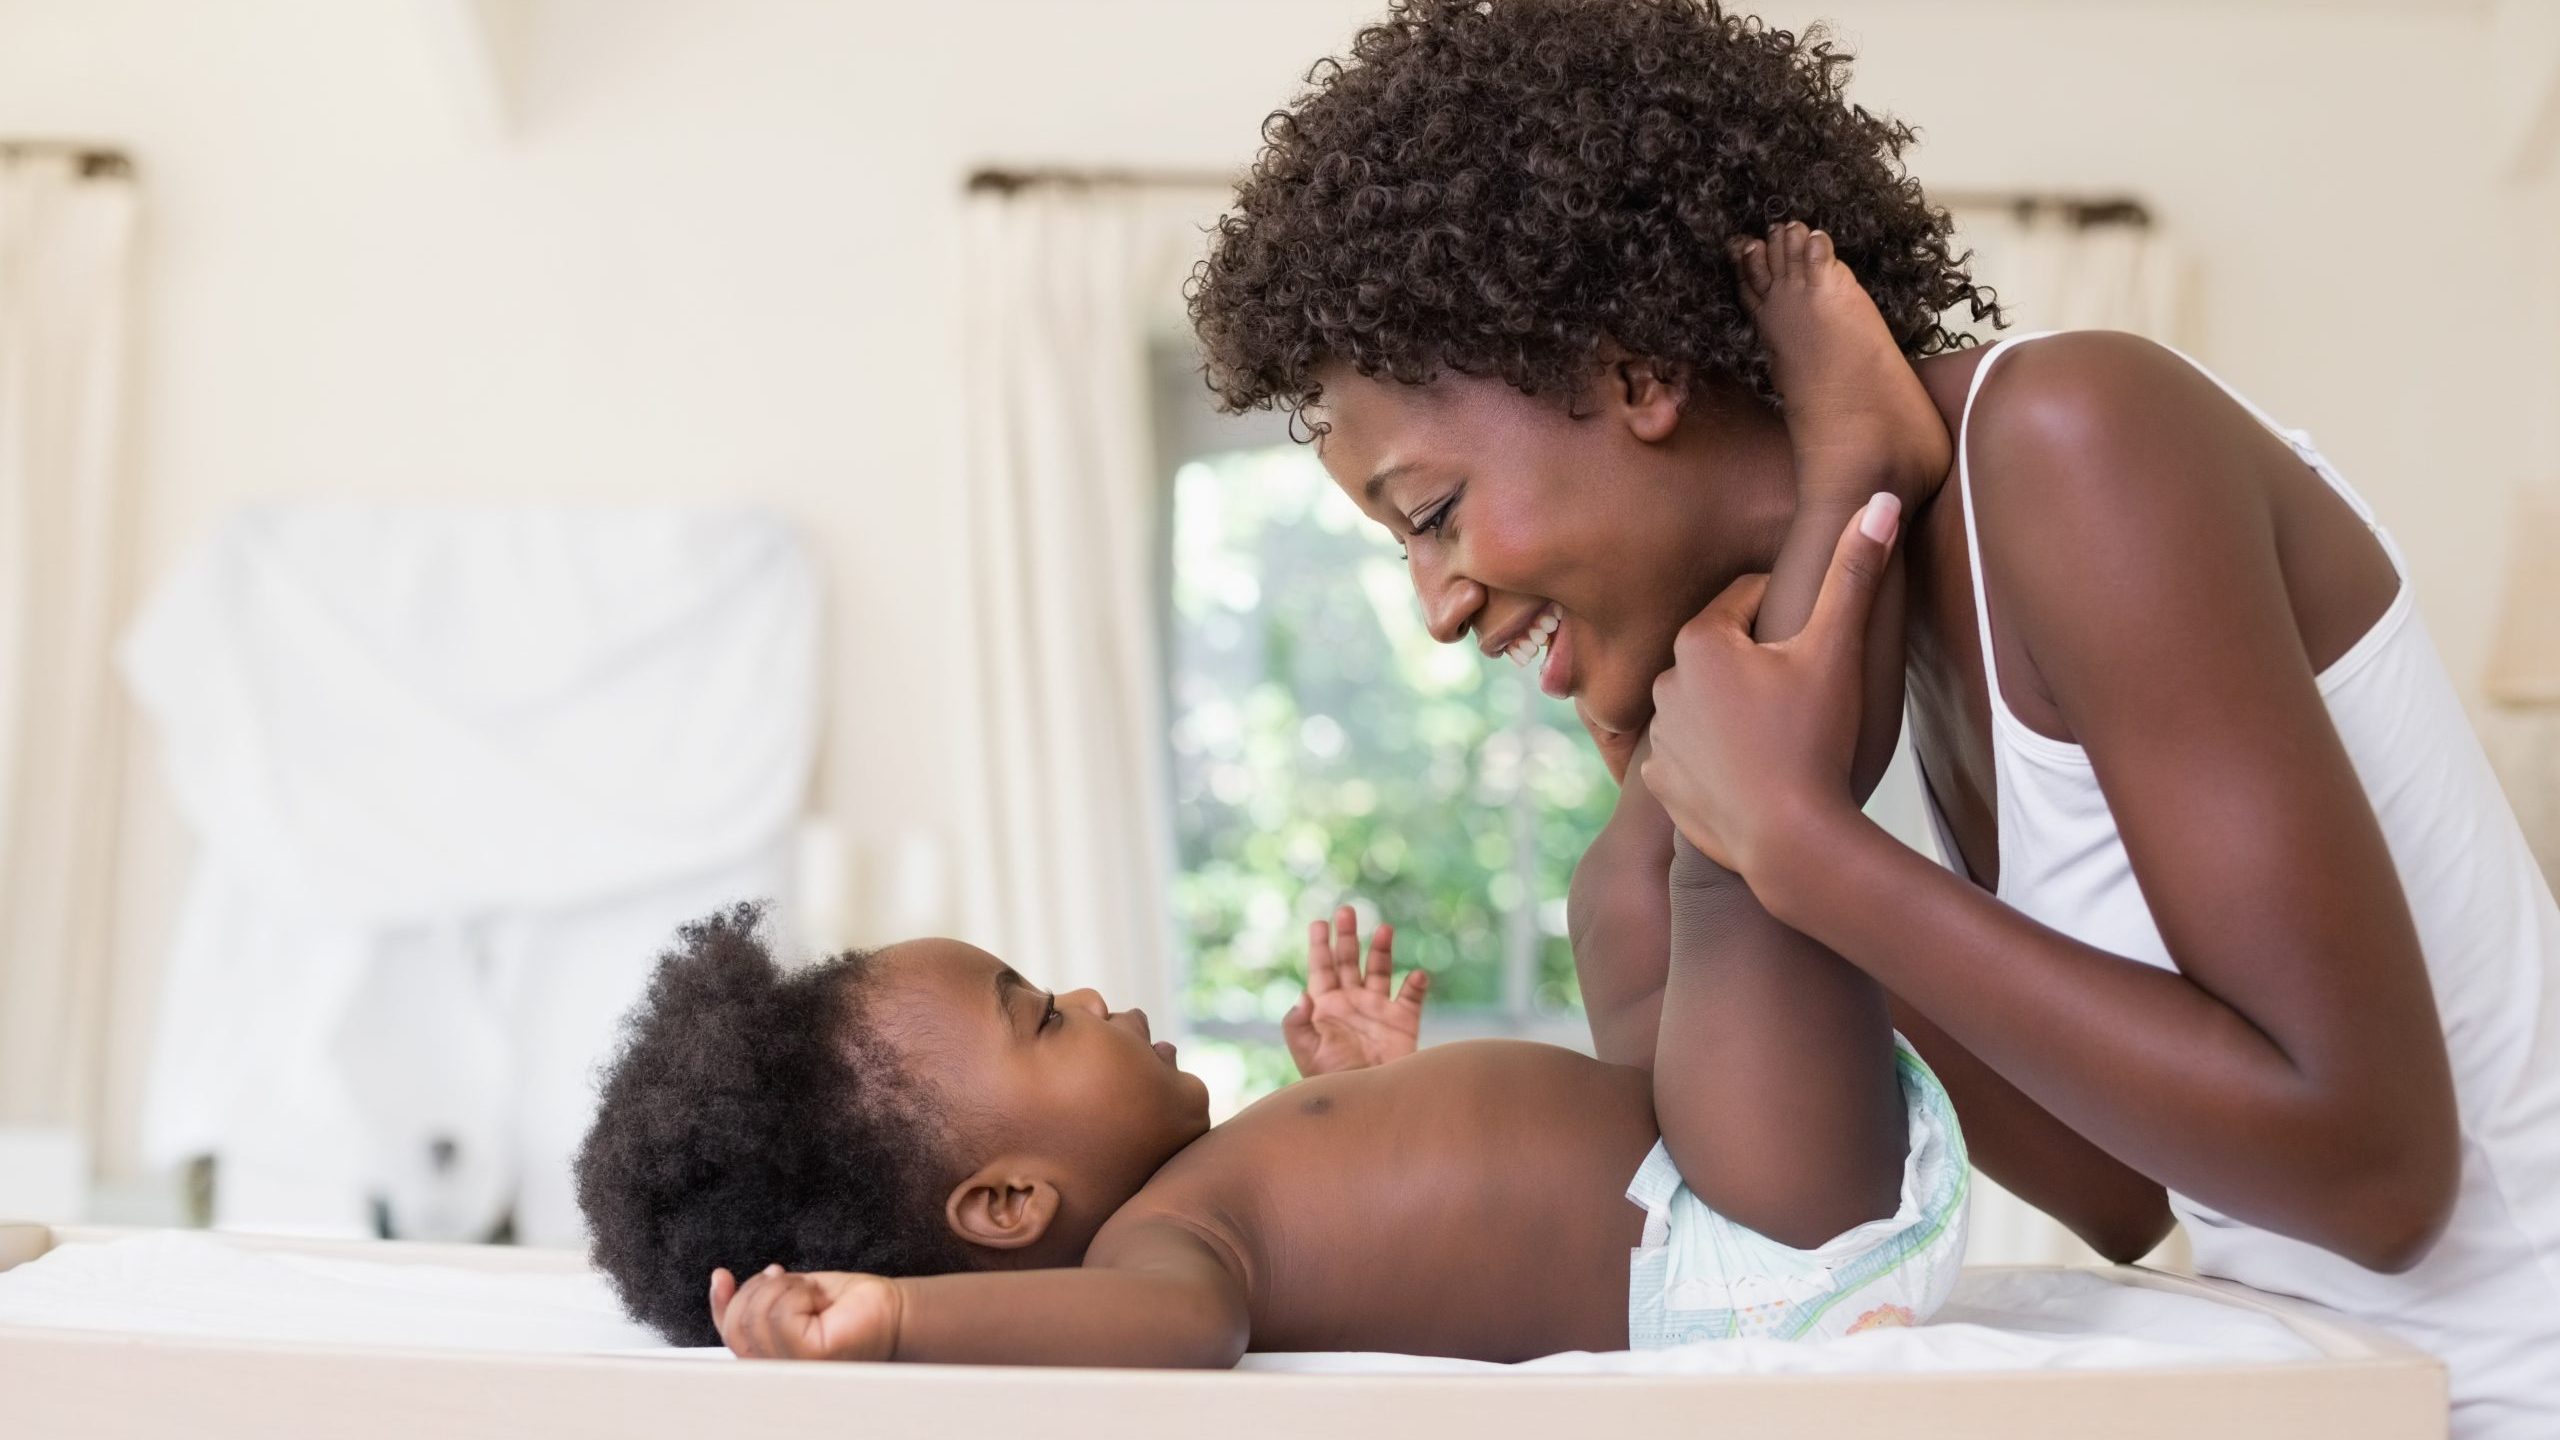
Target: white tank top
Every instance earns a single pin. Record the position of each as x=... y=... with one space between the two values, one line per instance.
x=2487 y=1298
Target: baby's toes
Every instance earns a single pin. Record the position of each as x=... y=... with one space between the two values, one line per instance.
x=1787 y=243
x=1751 y=264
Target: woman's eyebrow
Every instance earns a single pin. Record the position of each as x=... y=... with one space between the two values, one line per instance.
x=1383 y=478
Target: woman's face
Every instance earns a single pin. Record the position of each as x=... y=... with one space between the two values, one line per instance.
x=1618 y=520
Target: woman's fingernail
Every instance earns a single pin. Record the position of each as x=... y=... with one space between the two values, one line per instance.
x=1878 y=520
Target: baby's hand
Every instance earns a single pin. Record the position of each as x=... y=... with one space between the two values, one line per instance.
x=820 y=1315
x=1347 y=1020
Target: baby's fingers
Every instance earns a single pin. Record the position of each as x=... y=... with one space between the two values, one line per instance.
x=1382 y=957
x=800 y=1320
x=1417 y=986
x=1298 y=1028
x=1320 y=973
x=751 y=1313
x=724 y=1288
x=1346 y=947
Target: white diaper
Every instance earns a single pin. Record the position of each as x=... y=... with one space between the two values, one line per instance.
x=1700 y=1276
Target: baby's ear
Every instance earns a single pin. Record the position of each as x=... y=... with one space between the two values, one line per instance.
x=1649 y=396
x=1005 y=1206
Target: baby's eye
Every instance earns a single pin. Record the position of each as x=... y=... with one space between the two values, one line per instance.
x=1052 y=1012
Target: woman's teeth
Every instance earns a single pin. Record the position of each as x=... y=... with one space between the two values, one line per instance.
x=1542 y=633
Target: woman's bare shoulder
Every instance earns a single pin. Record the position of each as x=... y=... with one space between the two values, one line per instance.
x=2087 y=391
x=2103 y=430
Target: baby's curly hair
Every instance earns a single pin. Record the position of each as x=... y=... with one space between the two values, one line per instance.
x=751 y=1118
x=1500 y=187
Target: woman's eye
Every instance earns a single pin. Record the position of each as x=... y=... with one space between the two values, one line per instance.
x=1428 y=522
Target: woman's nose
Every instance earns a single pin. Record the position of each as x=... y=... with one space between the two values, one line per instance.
x=1448 y=603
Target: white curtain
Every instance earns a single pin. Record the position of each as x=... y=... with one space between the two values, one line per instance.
x=2052 y=272
x=66 y=518
x=1070 y=828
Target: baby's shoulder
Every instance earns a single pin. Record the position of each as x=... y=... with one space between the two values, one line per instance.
x=1206 y=1191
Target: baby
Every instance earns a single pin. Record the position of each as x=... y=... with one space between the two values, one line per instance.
x=916 y=1153
x=957 y=1165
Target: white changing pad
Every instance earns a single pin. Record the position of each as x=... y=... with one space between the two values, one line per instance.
x=177 y=1283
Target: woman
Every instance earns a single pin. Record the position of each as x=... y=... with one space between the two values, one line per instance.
x=2237 y=926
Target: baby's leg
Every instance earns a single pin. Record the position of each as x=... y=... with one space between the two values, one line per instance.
x=1774 y=1077
x=1773 y=1073
x=1858 y=422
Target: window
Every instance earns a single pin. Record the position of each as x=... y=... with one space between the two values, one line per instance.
x=1325 y=748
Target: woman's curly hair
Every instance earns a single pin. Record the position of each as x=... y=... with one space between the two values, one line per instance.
x=750 y=1118
x=1500 y=187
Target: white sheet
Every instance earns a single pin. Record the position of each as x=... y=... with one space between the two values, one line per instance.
x=175 y=1283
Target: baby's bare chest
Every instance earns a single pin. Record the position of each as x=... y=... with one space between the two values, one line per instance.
x=1471 y=1205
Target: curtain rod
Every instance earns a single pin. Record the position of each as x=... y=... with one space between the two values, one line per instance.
x=2079 y=210
x=1005 y=182
x=96 y=161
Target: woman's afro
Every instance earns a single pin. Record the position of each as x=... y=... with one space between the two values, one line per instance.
x=751 y=1117
x=1501 y=188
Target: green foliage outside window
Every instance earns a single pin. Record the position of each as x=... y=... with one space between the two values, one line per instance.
x=1325 y=748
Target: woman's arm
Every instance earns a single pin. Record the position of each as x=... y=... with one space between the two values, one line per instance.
x=1620 y=913
x=2115 y=1209
x=2292 y=1072
x=1153 y=1294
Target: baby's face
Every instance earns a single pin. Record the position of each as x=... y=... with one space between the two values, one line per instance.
x=1062 y=1077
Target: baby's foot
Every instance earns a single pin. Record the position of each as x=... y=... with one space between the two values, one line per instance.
x=1857 y=416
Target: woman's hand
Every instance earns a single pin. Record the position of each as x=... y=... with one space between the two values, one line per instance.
x=1347 y=1020
x=1749 y=739
x=821 y=1315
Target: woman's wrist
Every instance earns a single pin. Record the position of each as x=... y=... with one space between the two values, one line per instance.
x=1796 y=865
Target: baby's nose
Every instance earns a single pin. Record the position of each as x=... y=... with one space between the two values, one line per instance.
x=1087 y=1000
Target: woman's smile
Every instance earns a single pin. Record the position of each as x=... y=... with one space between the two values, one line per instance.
x=1537 y=636
x=1524 y=636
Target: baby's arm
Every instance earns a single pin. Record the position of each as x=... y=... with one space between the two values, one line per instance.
x=1151 y=1294
x=1618 y=918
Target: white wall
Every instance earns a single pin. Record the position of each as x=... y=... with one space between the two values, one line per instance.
x=716 y=258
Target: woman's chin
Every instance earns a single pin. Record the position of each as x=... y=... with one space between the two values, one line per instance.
x=1616 y=715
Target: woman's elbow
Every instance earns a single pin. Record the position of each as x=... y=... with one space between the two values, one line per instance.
x=2400 y=1224
x=2391 y=1216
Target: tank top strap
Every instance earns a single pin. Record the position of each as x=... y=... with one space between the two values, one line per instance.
x=2298 y=440
x=1972 y=532
x=2303 y=447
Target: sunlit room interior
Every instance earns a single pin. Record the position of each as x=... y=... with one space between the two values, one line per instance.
x=486 y=482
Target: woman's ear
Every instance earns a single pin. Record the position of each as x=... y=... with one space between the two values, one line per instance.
x=1650 y=396
x=1005 y=1206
